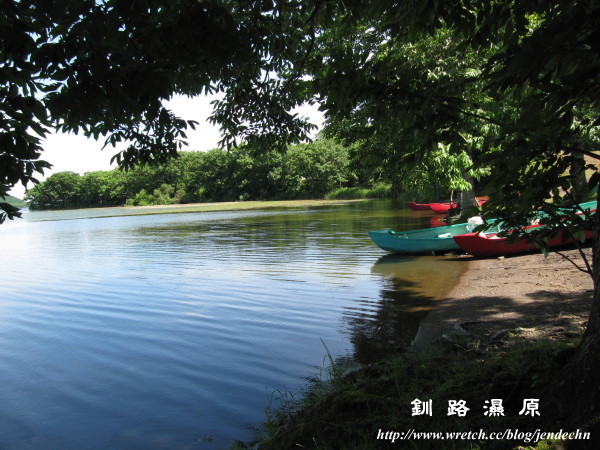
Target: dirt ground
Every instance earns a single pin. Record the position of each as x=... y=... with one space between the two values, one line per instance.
x=535 y=296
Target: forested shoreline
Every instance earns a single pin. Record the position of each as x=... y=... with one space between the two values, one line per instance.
x=303 y=171
x=14 y=201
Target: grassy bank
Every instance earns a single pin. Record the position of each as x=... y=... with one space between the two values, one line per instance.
x=124 y=211
x=231 y=206
x=207 y=207
x=379 y=191
x=349 y=410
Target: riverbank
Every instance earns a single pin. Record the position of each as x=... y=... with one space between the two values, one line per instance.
x=542 y=297
x=123 y=211
x=236 y=206
x=503 y=333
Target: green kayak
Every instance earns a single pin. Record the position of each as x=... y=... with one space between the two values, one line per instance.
x=425 y=240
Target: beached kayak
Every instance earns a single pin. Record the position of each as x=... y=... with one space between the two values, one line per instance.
x=437 y=239
x=490 y=244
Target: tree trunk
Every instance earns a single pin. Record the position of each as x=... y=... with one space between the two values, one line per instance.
x=467 y=198
x=580 y=376
x=577 y=170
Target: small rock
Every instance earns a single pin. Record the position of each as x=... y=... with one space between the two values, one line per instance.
x=498 y=335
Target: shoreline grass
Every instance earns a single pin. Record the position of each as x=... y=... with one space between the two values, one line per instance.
x=241 y=205
x=378 y=191
x=349 y=410
x=185 y=208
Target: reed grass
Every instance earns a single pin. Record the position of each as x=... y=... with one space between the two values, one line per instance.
x=346 y=410
x=378 y=191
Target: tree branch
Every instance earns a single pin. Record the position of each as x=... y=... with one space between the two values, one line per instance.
x=484 y=118
x=587 y=270
x=311 y=45
x=586 y=153
x=584 y=257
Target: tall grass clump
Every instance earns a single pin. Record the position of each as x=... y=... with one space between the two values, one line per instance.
x=349 y=193
x=347 y=410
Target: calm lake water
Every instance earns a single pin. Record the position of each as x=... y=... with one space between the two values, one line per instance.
x=174 y=331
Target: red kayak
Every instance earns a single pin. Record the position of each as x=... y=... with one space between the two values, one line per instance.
x=440 y=208
x=443 y=208
x=418 y=206
x=491 y=245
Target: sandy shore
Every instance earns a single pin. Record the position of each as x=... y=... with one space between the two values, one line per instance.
x=537 y=296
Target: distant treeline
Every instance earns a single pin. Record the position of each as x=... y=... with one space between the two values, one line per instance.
x=304 y=171
x=14 y=201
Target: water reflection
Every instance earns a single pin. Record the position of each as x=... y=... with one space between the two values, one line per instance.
x=412 y=286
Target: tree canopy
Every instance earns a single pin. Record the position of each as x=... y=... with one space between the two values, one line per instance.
x=405 y=78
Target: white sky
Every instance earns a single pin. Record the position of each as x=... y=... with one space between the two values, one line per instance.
x=79 y=154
